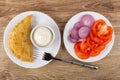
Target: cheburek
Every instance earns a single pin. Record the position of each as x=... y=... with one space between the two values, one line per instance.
x=19 y=40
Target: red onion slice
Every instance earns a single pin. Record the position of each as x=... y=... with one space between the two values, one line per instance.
x=74 y=33
x=76 y=25
x=87 y=20
x=73 y=40
x=83 y=32
x=73 y=36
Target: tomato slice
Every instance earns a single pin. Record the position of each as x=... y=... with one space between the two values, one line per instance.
x=77 y=47
x=84 y=47
x=92 y=44
x=101 y=33
x=107 y=41
x=91 y=35
x=89 y=42
x=101 y=30
x=97 y=51
x=78 y=52
x=108 y=34
x=98 y=25
x=95 y=38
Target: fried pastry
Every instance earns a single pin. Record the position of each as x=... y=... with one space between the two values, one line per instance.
x=19 y=40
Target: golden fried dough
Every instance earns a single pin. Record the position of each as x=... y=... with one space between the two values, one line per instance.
x=19 y=40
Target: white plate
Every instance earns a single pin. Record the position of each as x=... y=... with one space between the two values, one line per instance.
x=38 y=18
x=69 y=46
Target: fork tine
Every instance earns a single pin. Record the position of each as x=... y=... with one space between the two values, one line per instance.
x=38 y=54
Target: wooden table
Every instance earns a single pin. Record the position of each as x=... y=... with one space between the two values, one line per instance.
x=61 y=11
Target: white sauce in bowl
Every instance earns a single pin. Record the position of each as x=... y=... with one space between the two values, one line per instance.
x=42 y=36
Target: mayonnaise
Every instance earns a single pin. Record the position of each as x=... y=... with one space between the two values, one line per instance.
x=42 y=36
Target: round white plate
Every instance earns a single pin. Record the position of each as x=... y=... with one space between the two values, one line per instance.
x=69 y=46
x=38 y=18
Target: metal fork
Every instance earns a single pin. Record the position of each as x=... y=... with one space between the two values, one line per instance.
x=47 y=56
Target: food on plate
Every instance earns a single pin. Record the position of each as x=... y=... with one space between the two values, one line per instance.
x=87 y=20
x=101 y=33
x=19 y=40
x=76 y=26
x=79 y=53
x=83 y=32
x=81 y=29
x=42 y=36
x=91 y=46
x=73 y=36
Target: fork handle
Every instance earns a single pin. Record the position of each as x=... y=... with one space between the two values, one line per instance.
x=77 y=63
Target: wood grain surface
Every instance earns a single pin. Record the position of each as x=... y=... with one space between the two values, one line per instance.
x=61 y=11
